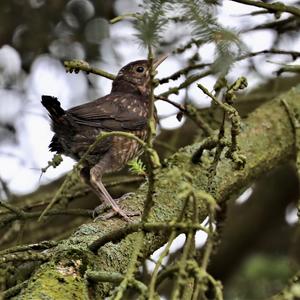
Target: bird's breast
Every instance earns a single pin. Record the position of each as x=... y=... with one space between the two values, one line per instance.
x=125 y=149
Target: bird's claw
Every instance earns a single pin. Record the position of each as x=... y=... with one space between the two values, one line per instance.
x=97 y=212
x=105 y=206
x=124 y=214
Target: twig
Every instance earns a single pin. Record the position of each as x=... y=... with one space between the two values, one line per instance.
x=235 y=121
x=113 y=277
x=287 y=24
x=120 y=233
x=124 y=17
x=84 y=66
x=203 y=278
x=177 y=105
x=6 y=190
x=7 y=294
x=166 y=272
x=155 y=273
x=183 y=71
x=191 y=112
x=191 y=79
x=27 y=256
x=182 y=278
x=187 y=252
x=289 y=68
x=38 y=246
x=152 y=162
x=54 y=162
x=294 y=54
x=277 y=7
x=32 y=215
x=12 y=208
x=80 y=65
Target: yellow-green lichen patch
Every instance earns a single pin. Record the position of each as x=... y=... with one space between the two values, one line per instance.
x=53 y=282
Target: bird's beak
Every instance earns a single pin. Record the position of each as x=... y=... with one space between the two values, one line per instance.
x=158 y=60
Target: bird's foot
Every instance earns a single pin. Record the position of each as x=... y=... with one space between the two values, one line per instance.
x=123 y=213
x=98 y=211
x=105 y=206
x=114 y=212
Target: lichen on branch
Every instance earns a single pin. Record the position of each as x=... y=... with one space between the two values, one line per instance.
x=268 y=140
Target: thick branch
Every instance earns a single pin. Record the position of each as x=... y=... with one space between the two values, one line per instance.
x=267 y=139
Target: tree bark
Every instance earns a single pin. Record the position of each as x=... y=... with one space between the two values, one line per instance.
x=267 y=139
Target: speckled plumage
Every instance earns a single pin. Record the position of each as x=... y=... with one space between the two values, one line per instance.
x=124 y=109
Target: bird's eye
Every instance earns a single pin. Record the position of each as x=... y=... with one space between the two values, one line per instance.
x=140 y=69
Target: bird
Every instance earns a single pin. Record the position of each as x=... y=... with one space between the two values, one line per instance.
x=125 y=108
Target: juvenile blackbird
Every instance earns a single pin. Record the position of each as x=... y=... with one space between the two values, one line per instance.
x=124 y=109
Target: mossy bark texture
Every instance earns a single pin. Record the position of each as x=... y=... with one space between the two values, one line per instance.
x=267 y=139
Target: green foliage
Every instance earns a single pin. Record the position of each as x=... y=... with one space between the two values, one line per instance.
x=136 y=166
x=55 y=162
x=151 y=24
x=228 y=48
x=205 y=28
x=201 y=19
x=268 y=274
x=199 y=15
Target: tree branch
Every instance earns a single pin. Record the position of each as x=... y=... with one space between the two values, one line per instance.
x=268 y=140
x=277 y=7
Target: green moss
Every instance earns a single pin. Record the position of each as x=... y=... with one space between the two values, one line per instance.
x=56 y=282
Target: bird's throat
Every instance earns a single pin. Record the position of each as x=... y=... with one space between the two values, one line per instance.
x=125 y=86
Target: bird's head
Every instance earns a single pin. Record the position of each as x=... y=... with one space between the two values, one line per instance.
x=135 y=76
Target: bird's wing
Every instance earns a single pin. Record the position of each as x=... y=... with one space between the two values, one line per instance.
x=112 y=112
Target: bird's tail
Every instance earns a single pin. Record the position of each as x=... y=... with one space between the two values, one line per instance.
x=53 y=106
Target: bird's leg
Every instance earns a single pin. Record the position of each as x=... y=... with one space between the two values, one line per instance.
x=85 y=175
x=86 y=178
x=96 y=182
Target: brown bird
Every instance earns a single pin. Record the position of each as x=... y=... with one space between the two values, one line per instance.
x=124 y=109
